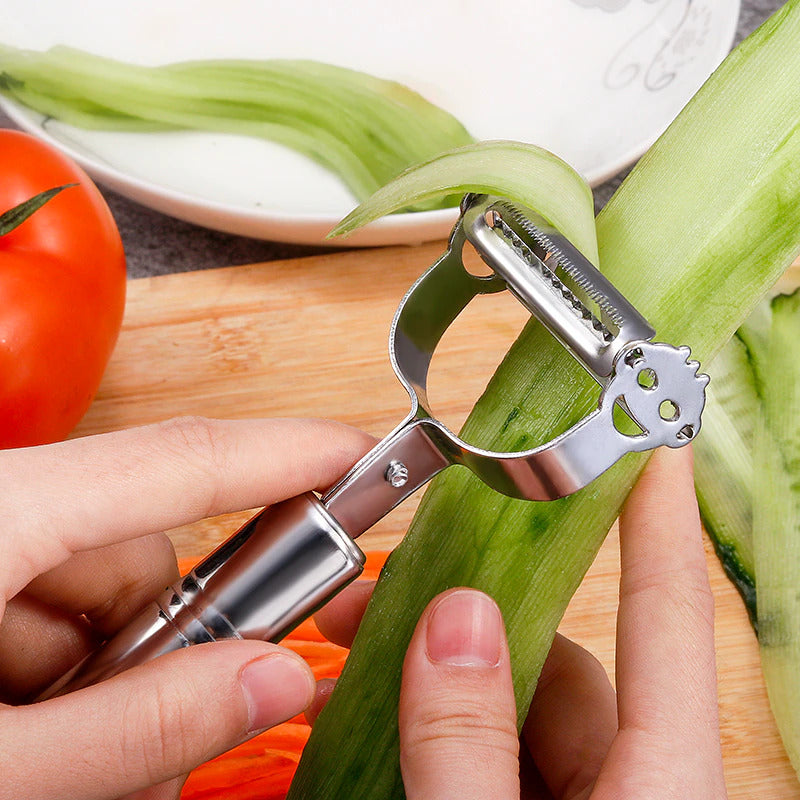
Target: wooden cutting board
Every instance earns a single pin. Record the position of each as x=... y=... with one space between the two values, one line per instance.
x=308 y=337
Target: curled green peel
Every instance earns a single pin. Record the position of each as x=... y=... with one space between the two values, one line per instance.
x=361 y=127
x=521 y=172
x=776 y=519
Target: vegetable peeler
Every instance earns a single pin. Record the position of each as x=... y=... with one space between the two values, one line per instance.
x=291 y=558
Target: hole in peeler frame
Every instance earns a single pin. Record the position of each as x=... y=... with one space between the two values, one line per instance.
x=633 y=357
x=669 y=411
x=624 y=422
x=647 y=379
x=473 y=263
x=468 y=355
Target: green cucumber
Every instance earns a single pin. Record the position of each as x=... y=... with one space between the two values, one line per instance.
x=776 y=520
x=698 y=232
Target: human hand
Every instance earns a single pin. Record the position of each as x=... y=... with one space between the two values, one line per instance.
x=656 y=739
x=82 y=524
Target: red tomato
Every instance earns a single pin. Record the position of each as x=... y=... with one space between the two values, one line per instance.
x=62 y=294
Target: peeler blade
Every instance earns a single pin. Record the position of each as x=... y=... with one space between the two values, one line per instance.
x=555 y=281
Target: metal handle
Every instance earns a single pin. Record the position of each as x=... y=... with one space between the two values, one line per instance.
x=276 y=571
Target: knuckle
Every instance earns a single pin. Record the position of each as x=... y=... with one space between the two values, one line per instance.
x=155 y=737
x=686 y=591
x=192 y=435
x=465 y=722
x=200 y=441
x=689 y=581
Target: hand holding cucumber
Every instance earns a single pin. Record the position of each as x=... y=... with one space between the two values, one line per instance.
x=658 y=737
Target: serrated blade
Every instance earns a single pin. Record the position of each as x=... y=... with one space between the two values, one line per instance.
x=548 y=247
x=555 y=281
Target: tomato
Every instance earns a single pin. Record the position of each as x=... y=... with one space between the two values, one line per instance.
x=62 y=293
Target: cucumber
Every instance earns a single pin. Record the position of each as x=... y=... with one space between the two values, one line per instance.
x=702 y=227
x=776 y=520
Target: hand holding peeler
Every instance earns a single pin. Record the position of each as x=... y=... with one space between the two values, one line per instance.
x=294 y=556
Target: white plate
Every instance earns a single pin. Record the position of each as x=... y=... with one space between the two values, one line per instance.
x=595 y=81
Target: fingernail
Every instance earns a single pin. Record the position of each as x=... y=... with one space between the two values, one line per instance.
x=465 y=629
x=276 y=688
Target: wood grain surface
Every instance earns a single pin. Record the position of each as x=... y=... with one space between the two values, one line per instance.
x=308 y=337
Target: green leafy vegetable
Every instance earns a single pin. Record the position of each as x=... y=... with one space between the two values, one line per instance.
x=700 y=230
x=363 y=128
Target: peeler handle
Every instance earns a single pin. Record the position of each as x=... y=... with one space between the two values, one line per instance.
x=277 y=570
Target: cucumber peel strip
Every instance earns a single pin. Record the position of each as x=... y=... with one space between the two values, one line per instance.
x=724 y=456
x=698 y=232
x=723 y=466
x=747 y=474
x=776 y=520
x=361 y=127
x=521 y=172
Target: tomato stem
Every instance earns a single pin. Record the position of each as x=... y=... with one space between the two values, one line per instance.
x=14 y=217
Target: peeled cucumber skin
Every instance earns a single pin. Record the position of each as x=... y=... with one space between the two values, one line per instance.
x=776 y=522
x=516 y=170
x=361 y=127
x=723 y=465
x=701 y=228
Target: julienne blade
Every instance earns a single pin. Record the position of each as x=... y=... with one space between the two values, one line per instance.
x=700 y=230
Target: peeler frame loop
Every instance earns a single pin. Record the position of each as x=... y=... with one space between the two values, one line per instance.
x=421 y=446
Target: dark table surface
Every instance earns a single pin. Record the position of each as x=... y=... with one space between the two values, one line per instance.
x=156 y=244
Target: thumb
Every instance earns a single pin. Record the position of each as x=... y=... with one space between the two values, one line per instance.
x=458 y=733
x=152 y=723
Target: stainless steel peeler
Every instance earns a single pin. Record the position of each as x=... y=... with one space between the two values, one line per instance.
x=290 y=559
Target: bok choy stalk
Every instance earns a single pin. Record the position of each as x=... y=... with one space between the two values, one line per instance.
x=700 y=230
x=363 y=128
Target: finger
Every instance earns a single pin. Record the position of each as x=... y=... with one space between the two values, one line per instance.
x=169 y=790
x=38 y=643
x=110 y=584
x=153 y=723
x=323 y=693
x=90 y=492
x=666 y=677
x=45 y=632
x=338 y=621
x=572 y=719
x=458 y=734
